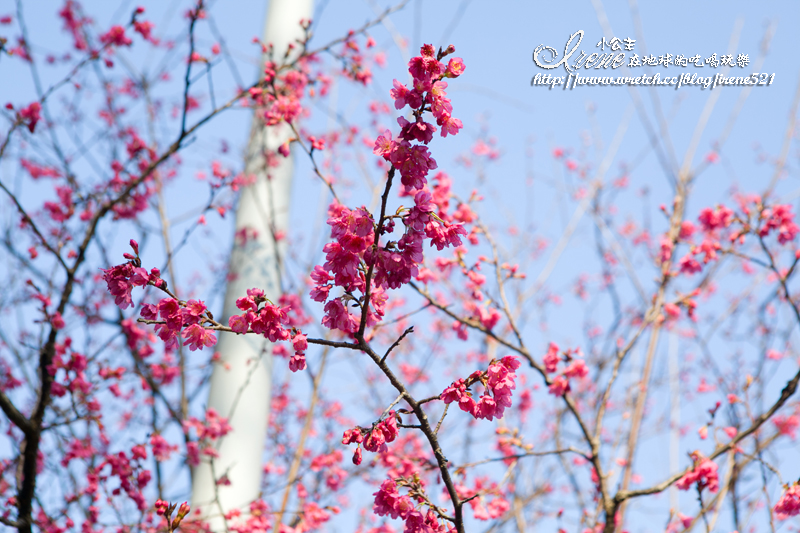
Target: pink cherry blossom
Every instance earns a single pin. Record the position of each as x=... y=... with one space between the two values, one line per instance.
x=789 y=503
x=197 y=337
x=703 y=473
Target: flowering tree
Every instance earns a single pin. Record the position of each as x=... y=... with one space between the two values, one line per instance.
x=455 y=409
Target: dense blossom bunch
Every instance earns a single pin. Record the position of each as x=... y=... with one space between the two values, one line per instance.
x=714 y=220
x=121 y=279
x=208 y=432
x=116 y=36
x=355 y=252
x=175 y=318
x=721 y=225
x=574 y=368
x=279 y=98
x=373 y=439
x=407 y=456
x=703 y=473
x=498 y=381
x=389 y=502
x=789 y=504
x=136 y=202
x=31 y=115
x=73 y=23
x=132 y=478
x=781 y=219
x=787 y=425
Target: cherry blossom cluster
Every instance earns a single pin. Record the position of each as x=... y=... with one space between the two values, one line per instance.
x=428 y=74
x=280 y=95
x=174 y=318
x=121 y=279
x=478 y=308
x=74 y=379
x=262 y=317
x=787 y=425
x=38 y=171
x=703 y=473
x=116 y=36
x=137 y=200
x=498 y=382
x=174 y=315
x=285 y=107
x=355 y=252
x=477 y=496
x=91 y=491
x=789 y=504
x=258 y=519
x=355 y=63
x=162 y=450
x=712 y=222
x=373 y=439
x=76 y=24
x=673 y=309
x=405 y=457
x=574 y=367
x=128 y=470
x=177 y=316
x=29 y=115
x=722 y=223
x=214 y=427
x=328 y=466
x=781 y=219
x=389 y=502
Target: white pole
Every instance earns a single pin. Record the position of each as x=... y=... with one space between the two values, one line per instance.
x=240 y=385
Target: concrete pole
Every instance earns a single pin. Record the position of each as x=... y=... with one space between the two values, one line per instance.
x=240 y=385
